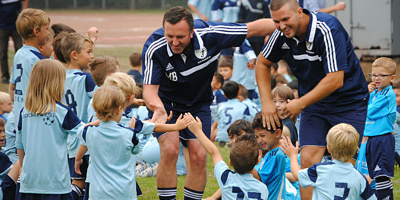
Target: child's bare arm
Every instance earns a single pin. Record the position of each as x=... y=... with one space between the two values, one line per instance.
x=21 y=155
x=291 y=151
x=180 y=124
x=255 y=174
x=78 y=159
x=93 y=33
x=217 y=195
x=196 y=128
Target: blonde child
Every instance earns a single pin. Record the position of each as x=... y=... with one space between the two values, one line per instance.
x=33 y=26
x=337 y=179
x=244 y=155
x=381 y=116
x=113 y=177
x=77 y=51
x=6 y=105
x=42 y=134
x=100 y=68
x=281 y=95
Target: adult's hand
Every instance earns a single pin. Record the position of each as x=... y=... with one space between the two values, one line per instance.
x=293 y=108
x=270 y=116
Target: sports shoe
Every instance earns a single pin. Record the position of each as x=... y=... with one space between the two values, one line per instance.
x=140 y=168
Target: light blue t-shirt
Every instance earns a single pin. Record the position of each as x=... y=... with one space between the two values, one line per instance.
x=272 y=173
x=241 y=73
x=381 y=113
x=336 y=180
x=111 y=176
x=24 y=60
x=253 y=108
x=225 y=10
x=9 y=148
x=228 y=112
x=43 y=137
x=204 y=6
x=79 y=88
x=397 y=133
x=238 y=186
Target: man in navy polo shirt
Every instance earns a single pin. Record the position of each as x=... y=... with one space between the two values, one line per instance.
x=179 y=61
x=332 y=86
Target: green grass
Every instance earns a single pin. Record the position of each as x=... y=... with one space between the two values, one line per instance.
x=148 y=185
x=149 y=188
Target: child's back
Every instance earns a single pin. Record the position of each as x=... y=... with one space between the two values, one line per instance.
x=42 y=132
x=28 y=21
x=230 y=111
x=118 y=176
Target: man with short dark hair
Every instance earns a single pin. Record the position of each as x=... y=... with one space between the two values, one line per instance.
x=179 y=61
x=331 y=84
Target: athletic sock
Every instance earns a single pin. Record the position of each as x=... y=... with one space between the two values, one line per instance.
x=76 y=192
x=193 y=194
x=167 y=193
x=384 y=188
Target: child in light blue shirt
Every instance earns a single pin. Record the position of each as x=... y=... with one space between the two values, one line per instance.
x=337 y=179
x=113 y=177
x=41 y=140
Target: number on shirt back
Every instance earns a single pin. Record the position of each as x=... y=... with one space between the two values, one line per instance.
x=18 y=79
x=70 y=99
x=250 y=195
x=345 y=193
x=228 y=115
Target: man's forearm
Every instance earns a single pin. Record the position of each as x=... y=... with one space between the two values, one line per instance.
x=261 y=27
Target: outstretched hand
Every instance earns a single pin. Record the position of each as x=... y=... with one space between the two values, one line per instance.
x=78 y=164
x=288 y=148
x=270 y=117
x=195 y=125
x=132 y=123
x=182 y=122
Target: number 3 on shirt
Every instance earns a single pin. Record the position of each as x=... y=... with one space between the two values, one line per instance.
x=345 y=193
x=250 y=195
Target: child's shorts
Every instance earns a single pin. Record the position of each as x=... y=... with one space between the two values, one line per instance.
x=8 y=186
x=29 y=196
x=379 y=153
x=83 y=168
x=201 y=110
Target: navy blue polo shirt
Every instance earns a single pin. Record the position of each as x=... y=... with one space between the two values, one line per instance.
x=186 y=79
x=326 y=48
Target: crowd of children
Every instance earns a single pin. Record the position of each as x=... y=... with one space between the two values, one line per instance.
x=92 y=128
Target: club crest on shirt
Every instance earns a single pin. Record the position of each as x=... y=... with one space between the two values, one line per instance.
x=201 y=53
x=48 y=119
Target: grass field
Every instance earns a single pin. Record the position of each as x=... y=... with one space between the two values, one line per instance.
x=148 y=185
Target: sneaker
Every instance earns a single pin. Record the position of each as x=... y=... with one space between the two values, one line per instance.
x=151 y=171
x=140 y=167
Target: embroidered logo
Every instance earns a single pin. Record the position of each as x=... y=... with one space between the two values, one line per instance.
x=169 y=67
x=377 y=168
x=201 y=53
x=285 y=46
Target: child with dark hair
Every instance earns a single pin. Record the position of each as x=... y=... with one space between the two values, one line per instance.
x=230 y=111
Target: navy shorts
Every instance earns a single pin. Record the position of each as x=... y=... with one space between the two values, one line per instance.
x=83 y=168
x=29 y=196
x=379 y=153
x=201 y=110
x=314 y=126
x=9 y=188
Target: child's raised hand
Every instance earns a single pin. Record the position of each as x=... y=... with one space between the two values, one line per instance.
x=195 y=124
x=371 y=87
x=288 y=148
x=132 y=123
x=182 y=122
x=169 y=116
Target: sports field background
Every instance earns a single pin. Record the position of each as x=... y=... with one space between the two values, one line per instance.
x=124 y=32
